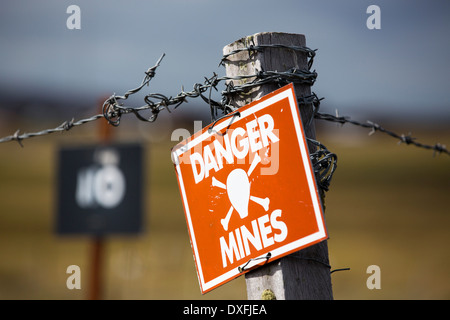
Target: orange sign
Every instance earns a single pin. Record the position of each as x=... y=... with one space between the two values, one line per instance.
x=248 y=189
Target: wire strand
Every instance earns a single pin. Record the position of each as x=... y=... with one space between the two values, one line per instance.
x=113 y=109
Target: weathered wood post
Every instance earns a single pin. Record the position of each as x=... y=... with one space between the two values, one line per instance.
x=98 y=243
x=304 y=274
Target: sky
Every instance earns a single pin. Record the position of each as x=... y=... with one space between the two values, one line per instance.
x=402 y=69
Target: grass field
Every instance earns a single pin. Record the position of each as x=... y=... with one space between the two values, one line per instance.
x=387 y=206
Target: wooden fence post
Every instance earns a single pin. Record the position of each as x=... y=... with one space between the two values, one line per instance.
x=304 y=274
x=98 y=243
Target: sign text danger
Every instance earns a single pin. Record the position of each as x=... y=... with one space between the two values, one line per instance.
x=238 y=143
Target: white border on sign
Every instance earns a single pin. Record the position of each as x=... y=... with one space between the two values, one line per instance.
x=289 y=94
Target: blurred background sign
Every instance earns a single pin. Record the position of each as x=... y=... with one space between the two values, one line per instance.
x=100 y=189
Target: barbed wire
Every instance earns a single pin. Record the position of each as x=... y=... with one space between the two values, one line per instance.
x=310 y=54
x=314 y=100
x=407 y=139
x=324 y=163
x=65 y=126
x=113 y=110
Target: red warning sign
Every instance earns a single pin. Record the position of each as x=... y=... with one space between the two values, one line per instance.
x=248 y=189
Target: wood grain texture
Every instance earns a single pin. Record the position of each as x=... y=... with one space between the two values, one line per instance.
x=304 y=274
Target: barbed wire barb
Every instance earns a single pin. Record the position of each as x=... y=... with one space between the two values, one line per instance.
x=407 y=139
x=113 y=108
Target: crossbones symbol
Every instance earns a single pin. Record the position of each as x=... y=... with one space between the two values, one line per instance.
x=238 y=191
